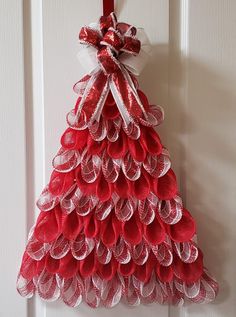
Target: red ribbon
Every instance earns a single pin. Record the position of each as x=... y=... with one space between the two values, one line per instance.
x=108 y=7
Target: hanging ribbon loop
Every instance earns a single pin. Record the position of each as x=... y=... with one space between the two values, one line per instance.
x=108 y=7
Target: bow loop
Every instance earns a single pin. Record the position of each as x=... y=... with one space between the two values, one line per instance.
x=89 y=36
x=113 y=39
x=131 y=45
x=106 y=22
x=126 y=29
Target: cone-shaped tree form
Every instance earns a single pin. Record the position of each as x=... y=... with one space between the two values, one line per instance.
x=112 y=224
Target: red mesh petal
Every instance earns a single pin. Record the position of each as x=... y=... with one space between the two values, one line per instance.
x=207 y=291
x=73 y=139
x=60 y=183
x=103 y=189
x=132 y=230
x=183 y=230
x=72 y=226
x=189 y=272
x=91 y=296
x=86 y=188
x=107 y=271
x=95 y=147
x=154 y=233
x=165 y=273
x=52 y=265
x=113 y=292
x=143 y=272
x=118 y=148
x=41 y=265
x=122 y=186
x=48 y=226
x=110 y=110
x=166 y=186
x=110 y=230
x=141 y=187
x=88 y=266
x=68 y=266
x=151 y=141
x=127 y=269
x=28 y=267
x=147 y=289
x=136 y=150
x=131 y=295
x=91 y=226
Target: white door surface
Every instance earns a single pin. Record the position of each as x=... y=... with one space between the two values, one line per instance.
x=192 y=74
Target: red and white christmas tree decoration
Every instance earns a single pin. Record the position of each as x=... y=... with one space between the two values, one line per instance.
x=112 y=225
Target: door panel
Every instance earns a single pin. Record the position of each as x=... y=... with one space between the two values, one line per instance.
x=202 y=80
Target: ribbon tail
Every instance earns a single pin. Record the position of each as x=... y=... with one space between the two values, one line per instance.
x=120 y=102
x=94 y=97
x=134 y=90
x=126 y=97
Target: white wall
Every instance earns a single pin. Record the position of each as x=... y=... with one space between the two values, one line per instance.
x=192 y=73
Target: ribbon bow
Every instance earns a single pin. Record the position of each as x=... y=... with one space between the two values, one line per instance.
x=110 y=41
x=112 y=54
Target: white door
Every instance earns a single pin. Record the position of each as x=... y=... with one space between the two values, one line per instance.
x=192 y=73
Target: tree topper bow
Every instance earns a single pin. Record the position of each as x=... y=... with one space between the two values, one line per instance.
x=113 y=53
